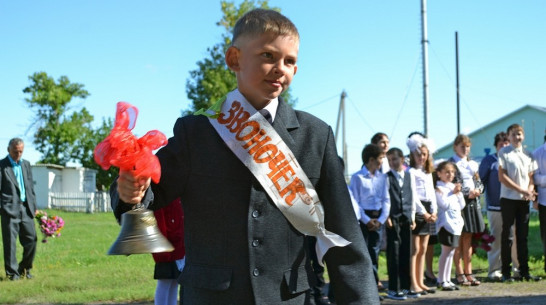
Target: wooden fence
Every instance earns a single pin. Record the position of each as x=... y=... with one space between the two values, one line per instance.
x=80 y=202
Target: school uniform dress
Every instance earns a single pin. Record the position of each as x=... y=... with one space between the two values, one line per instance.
x=402 y=213
x=467 y=175
x=372 y=195
x=424 y=187
x=450 y=217
x=518 y=163
x=240 y=248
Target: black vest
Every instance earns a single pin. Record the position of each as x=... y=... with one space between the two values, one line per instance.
x=401 y=197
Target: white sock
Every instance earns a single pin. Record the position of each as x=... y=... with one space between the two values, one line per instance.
x=166 y=292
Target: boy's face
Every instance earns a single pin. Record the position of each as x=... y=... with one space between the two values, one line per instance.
x=264 y=66
x=516 y=137
x=395 y=162
x=375 y=163
x=501 y=144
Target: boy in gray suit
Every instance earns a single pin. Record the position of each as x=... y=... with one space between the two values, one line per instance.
x=253 y=184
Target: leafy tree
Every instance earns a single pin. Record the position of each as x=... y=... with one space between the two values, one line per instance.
x=213 y=79
x=56 y=131
x=63 y=136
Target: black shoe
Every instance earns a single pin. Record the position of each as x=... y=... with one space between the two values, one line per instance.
x=430 y=281
x=381 y=298
x=531 y=278
x=322 y=300
x=507 y=279
x=13 y=277
x=411 y=294
x=396 y=295
x=431 y=290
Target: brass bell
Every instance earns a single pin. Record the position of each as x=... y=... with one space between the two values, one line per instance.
x=139 y=234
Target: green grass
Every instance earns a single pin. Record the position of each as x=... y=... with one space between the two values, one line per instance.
x=74 y=268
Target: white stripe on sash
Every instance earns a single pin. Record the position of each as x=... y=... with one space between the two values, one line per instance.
x=256 y=143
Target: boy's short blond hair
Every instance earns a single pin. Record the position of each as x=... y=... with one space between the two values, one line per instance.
x=515 y=127
x=260 y=21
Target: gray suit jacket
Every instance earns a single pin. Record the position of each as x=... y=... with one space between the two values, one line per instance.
x=10 y=190
x=240 y=249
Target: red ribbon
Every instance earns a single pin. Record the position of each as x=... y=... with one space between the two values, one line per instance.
x=123 y=150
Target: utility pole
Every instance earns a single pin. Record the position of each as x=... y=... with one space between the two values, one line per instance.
x=457 y=75
x=341 y=117
x=424 y=43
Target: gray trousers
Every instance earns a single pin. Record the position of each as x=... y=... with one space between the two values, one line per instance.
x=24 y=227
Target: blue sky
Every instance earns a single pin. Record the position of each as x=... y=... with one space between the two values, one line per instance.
x=142 y=52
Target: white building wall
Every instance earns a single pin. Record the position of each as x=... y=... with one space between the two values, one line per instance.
x=72 y=180
x=46 y=179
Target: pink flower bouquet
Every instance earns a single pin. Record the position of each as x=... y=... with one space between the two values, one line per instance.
x=482 y=240
x=49 y=225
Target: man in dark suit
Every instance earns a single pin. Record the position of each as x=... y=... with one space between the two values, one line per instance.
x=17 y=209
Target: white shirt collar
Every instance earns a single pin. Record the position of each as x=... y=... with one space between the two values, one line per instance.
x=272 y=108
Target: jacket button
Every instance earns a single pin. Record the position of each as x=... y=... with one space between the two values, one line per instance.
x=255 y=214
x=256 y=272
x=255 y=243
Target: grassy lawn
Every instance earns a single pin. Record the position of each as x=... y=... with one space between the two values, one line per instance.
x=74 y=268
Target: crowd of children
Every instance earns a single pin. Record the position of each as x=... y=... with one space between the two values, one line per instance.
x=419 y=203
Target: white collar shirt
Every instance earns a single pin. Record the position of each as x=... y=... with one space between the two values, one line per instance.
x=371 y=193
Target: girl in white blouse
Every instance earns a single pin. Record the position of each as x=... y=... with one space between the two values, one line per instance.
x=421 y=166
x=472 y=187
x=450 y=220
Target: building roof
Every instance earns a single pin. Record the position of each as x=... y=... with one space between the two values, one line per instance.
x=470 y=134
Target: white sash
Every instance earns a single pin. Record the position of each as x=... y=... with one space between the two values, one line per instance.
x=256 y=143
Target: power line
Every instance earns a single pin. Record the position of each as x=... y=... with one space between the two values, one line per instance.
x=408 y=87
x=321 y=102
x=360 y=115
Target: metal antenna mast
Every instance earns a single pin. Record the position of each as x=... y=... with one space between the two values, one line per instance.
x=341 y=117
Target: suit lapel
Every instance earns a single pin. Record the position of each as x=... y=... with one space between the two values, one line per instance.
x=10 y=174
x=285 y=121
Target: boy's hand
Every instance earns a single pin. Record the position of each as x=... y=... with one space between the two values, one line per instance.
x=131 y=189
x=373 y=225
x=389 y=223
x=529 y=194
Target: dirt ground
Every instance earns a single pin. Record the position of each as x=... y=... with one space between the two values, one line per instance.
x=487 y=293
